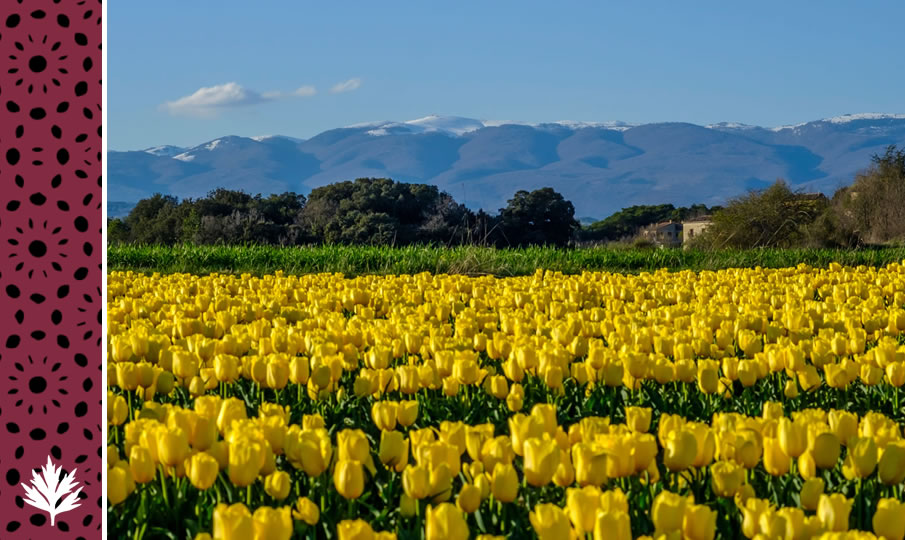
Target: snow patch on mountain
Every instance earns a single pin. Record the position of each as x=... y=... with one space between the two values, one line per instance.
x=165 y=150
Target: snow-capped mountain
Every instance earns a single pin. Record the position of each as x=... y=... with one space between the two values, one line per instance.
x=599 y=166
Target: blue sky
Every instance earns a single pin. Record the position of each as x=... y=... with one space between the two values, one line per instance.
x=299 y=68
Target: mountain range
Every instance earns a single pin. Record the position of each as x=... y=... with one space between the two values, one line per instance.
x=600 y=167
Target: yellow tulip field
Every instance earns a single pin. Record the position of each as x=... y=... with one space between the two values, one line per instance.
x=740 y=403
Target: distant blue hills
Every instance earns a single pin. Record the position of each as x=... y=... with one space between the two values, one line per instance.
x=600 y=167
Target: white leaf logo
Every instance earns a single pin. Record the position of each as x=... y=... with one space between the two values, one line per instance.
x=47 y=489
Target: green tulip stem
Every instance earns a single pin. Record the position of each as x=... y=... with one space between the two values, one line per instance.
x=248 y=495
x=163 y=486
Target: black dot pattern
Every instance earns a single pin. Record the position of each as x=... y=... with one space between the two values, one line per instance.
x=50 y=272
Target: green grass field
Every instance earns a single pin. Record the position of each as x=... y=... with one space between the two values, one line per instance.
x=351 y=260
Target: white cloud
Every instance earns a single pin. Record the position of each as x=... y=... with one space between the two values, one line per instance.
x=207 y=102
x=304 y=91
x=346 y=86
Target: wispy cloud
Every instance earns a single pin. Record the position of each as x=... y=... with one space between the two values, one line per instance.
x=304 y=91
x=346 y=86
x=208 y=101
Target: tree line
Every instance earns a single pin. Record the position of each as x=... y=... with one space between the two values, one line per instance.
x=375 y=211
x=380 y=211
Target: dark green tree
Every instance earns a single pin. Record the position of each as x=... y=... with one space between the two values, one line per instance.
x=539 y=217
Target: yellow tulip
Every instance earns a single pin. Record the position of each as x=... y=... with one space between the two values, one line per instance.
x=776 y=461
x=231 y=410
x=352 y=445
x=504 y=482
x=889 y=519
x=469 y=498
x=540 y=461
x=233 y=522
x=119 y=483
x=680 y=450
x=172 y=446
x=384 y=415
x=407 y=413
x=445 y=521
x=861 y=457
x=305 y=510
x=590 y=464
x=349 y=478
x=699 y=523
x=826 y=450
x=393 y=448
x=844 y=424
x=277 y=374
x=833 y=511
x=354 y=530
x=550 y=522
x=272 y=523
x=638 y=418
x=891 y=467
x=246 y=458
x=612 y=525
x=668 y=512
x=792 y=437
x=727 y=478
x=416 y=481
x=201 y=470
x=582 y=505
x=708 y=379
x=141 y=464
x=752 y=510
x=277 y=485
x=810 y=493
